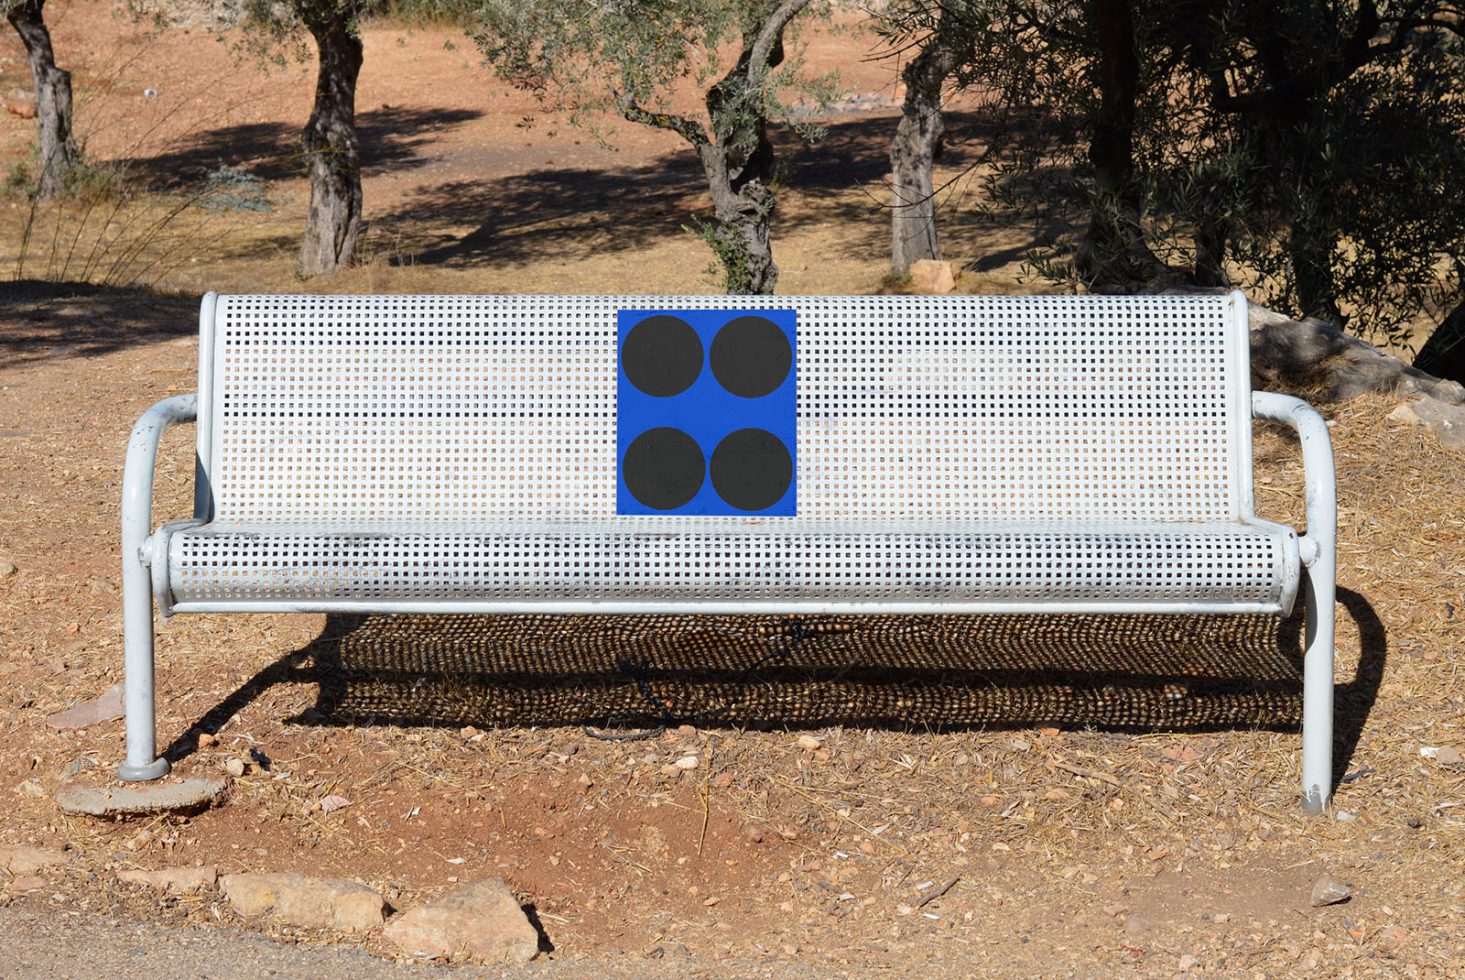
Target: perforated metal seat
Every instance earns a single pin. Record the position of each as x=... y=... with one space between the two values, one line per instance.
x=950 y=454
x=801 y=566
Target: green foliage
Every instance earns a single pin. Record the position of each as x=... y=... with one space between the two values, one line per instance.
x=233 y=189
x=1313 y=152
x=732 y=266
x=584 y=56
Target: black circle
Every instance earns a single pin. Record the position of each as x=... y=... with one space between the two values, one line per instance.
x=663 y=468
x=751 y=356
x=751 y=469
x=662 y=355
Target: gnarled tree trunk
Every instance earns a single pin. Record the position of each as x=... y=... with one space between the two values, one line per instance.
x=1310 y=250
x=1443 y=354
x=1210 y=254
x=742 y=209
x=53 y=98
x=737 y=157
x=1113 y=254
x=913 y=151
x=332 y=151
x=739 y=162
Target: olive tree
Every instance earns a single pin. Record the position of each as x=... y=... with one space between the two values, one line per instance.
x=329 y=142
x=934 y=37
x=1337 y=124
x=53 y=96
x=1298 y=147
x=627 y=58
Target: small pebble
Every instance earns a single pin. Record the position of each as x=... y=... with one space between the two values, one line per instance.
x=234 y=767
x=1330 y=891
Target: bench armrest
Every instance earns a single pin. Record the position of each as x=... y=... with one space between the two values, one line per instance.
x=1320 y=541
x=137 y=473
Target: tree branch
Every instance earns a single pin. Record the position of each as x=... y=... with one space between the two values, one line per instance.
x=688 y=129
x=768 y=39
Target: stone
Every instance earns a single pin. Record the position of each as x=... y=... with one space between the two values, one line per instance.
x=932 y=276
x=27 y=883
x=21 y=103
x=1445 y=422
x=173 y=881
x=1448 y=755
x=480 y=921
x=22 y=860
x=29 y=787
x=107 y=801
x=106 y=706
x=808 y=743
x=304 y=902
x=1138 y=925
x=1312 y=354
x=7 y=568
x=234 y=767
x=1330 y=891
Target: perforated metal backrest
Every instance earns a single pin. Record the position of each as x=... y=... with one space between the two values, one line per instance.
x=462 y=411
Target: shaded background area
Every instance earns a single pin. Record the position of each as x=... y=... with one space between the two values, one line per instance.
x=45 y=320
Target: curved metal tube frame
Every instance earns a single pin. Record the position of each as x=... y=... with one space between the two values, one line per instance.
x=142 y=762
x=1319 y=554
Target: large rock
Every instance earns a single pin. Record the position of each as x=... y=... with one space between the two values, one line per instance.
x=23 y=860
x=173 y=881
x=481 y=921
x=157 y=797
x=21 y=102
x=1311 y=353
x=304 y=902
x=932 y=276
x=1446 y=422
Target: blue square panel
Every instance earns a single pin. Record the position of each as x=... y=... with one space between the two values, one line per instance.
x=706 y=405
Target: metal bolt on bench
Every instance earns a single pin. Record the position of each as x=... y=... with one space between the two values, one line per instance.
x=718 y=454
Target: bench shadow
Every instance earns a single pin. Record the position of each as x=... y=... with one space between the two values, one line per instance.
x=1129 y=673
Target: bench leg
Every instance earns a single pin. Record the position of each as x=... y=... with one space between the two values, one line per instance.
x=137 y=628
x=1317 y=688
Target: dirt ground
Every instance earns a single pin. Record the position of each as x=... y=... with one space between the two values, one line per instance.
x=946 y=797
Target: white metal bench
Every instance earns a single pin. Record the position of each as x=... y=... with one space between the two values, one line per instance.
x=952 y=455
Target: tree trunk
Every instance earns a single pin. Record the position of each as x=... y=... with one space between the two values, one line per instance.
x=1443 y=354
x=1310 y=251
x=739 y=169
x=53 y=99
x=1114 y=254
x=742 y=208
x=912 y=154
x=1210 y=254
x=332 y=152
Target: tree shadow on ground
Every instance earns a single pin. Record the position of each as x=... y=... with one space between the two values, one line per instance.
x=574 y=213
x=1129 y=673
x=40 y=321
x=392 y=139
